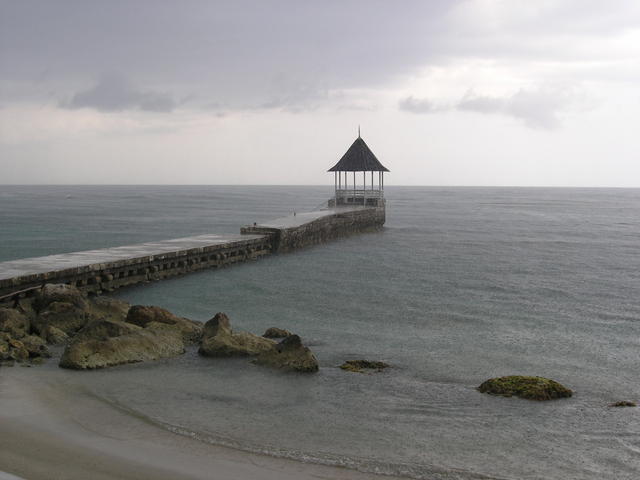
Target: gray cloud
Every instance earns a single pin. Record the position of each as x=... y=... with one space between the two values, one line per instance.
x=115 y=93
x=417 y=105
x=241 y=53
x=537 y=107
x=281 y=54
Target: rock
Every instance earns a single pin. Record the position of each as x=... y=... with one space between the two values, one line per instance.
x=36 y=346
x=61 y=293
x=218 y=324
x=14 y=322
x=218 y=340
x=623 y=403
x=4 y=349
x=140 y=315
x=109 y=307
x=104 y=343
x=532 y=388
x=289 y=355
x=275 y=332
x=65 y=316
x=17 y=351
x=361 y=366
x=54 y=336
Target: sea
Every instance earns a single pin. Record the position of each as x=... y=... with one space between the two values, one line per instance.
x=462 y=284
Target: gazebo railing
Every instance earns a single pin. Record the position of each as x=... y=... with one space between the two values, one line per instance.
x=358 y=197
x=359 y=193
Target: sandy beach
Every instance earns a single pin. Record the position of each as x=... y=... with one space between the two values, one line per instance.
x=50 y=432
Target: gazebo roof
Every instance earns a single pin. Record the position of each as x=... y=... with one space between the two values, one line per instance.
x=359 y=158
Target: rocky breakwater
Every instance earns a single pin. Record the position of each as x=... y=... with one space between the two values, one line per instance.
x=218 y=340
x=146 y=333
x=100 y=332
x=97 y=332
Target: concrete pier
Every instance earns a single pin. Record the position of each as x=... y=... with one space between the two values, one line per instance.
x=96 y=271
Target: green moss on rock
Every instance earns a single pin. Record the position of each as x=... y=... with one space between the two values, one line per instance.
x=531 y=388
x=360 y=366
x=623 y=403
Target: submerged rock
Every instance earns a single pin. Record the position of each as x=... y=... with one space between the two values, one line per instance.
x=218 y=340
x=361 y=366
x=623 y=403
x=103 y=343
x=14 y=322
x=142 y=316
x=531 y=388
x=275 y=332
x=290 y=354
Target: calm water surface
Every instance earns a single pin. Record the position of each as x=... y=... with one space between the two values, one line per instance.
x=462 y=285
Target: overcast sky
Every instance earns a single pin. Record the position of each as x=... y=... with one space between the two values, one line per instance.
x=476 y=92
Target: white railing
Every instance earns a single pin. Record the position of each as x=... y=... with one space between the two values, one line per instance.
x=360 y=193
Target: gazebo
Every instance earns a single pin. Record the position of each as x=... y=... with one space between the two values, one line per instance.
x=359 y=158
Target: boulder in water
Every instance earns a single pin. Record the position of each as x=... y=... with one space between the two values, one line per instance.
x=61 y=293
x=65 y=316
x=14 y=322
x=531 y=388
x=218 y=340
x=104 y=343
x=36 y=346
x=142 y=316
x=290 y=354
x=623 y=403
x=16 y=350
x=362 y=366
x=275 y=332
x=54 y=336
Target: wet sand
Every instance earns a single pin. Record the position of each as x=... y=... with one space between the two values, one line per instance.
x=49 y=430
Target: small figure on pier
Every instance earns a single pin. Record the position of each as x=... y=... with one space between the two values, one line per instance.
x=359 y=158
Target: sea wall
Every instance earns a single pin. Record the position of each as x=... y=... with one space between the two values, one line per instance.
x=104 y=277
x=323 y=229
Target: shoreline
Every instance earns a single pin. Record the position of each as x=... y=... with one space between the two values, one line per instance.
x=49 y=432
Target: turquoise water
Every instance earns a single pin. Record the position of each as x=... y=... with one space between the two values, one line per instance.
x=462 y=285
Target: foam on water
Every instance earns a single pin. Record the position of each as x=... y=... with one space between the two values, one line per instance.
x=463 y=284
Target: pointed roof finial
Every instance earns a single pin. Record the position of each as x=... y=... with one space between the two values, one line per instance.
x=358 y=131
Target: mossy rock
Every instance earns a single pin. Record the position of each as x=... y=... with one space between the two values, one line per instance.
x=361 y=366
x=623 y=403
x=531 y=388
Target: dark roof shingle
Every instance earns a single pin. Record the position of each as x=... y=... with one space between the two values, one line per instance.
x=359 y=158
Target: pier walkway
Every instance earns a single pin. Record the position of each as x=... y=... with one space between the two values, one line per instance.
x=106 y=269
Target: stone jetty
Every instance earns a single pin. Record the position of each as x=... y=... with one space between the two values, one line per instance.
x=97 y=271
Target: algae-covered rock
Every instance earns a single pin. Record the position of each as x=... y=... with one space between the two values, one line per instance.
x=218 y=340
x=14 y=322
x=66 y=309
x=275 y=332
x=290 y=354
x=362 y=366
x=103 y=343
x=623 y=403
x=65 y=316
x=54 y=336
x=17 y=350
x=36 y=346
x=109 y=307
x=532 y=388
x=61 y=293
x=143 y=315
